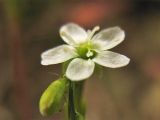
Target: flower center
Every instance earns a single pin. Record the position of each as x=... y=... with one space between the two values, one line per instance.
x=86 y=52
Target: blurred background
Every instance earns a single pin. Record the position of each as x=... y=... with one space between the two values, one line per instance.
x=28 y=27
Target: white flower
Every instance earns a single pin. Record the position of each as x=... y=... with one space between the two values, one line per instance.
x=85 y=49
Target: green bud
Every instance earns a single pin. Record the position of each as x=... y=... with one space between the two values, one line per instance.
x=51 y=99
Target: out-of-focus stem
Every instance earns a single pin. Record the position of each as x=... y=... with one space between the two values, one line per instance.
x=20 y=82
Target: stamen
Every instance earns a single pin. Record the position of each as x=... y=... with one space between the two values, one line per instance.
x=89 y=54
x=93 y=32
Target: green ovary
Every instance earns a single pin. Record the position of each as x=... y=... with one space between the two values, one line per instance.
x=86 y=52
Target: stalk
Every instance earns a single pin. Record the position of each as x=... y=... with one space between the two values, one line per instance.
x=71 y=105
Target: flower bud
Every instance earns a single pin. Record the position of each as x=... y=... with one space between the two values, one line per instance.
x=51 y=99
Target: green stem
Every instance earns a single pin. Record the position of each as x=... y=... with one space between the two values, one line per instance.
x=71 y=106
x=78 y=94
x=76 y=107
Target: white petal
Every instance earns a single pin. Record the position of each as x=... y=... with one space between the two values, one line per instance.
x=80 y=69
x=108 y=38
x=111 y=59
x=73 y=34
x=58 y=55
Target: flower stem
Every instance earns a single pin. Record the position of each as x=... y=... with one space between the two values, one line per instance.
x=78 y=95
x=71 y=106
